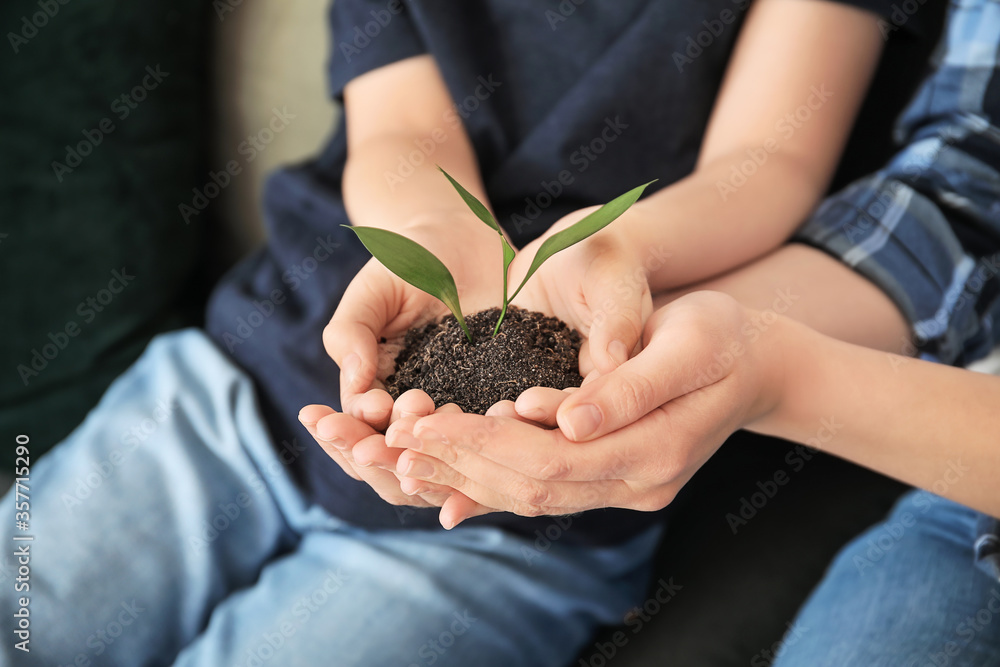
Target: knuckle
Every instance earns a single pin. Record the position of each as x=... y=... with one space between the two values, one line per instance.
x=448 y=455
x=654 y=500
x=635 y=396
x=528 y=510
x=553 y=468
x=532 y=493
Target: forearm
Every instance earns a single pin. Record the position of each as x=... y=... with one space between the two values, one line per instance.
x=709 y=229
x=378 y=192
x=929 y=425
x=400 y=126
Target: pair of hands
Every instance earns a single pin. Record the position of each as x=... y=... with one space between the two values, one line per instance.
x=631 y=437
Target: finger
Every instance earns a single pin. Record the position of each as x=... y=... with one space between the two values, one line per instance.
x=352 y=335
x=586 y=363
x=412 y=403
x=458 y=508
x=374 y=407
x=341 y=434
x=373 y=452
x=492 y=485
x=616 y=331
x=537 y=453
x=418 y=487
x=507 y=410
x=449 y=409
x=539 y=404
x=341 y=430
x=309 y=416
x=678 y=359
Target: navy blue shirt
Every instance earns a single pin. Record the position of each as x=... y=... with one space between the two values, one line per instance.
x=567 y=105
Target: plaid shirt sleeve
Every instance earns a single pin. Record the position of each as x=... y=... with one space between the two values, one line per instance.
x=926 y=228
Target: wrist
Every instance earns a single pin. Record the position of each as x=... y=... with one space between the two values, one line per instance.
x=776 y=364
x=643 y=232
x=468 y=248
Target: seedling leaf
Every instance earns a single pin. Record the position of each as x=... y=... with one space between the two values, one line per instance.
x=484 y=214
x=477 y=206
x=415 y=264
x=589 y=226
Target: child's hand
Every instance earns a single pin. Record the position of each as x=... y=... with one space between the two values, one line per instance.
x=360 y=449
x=630 y=438
x=598 y=286
x=377 y=305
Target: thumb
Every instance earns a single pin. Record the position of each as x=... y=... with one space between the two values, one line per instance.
x=351 y=338
x=676 y=360
x=620 y=304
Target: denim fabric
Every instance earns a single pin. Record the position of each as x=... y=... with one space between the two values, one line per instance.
x=906 y=593
x=168 y=531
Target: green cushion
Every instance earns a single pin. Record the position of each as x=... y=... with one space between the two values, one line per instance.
x=73 y=219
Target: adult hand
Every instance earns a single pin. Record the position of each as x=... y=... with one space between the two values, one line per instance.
x=630 y=438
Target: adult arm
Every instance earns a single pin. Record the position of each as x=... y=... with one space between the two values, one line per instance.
x=791 y=55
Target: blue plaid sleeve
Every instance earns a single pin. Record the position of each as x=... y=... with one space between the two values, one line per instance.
x=926 y=228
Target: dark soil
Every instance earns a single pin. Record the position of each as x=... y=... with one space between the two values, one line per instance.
x=531 y=350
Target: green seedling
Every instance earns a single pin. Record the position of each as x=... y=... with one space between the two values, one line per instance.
x=420 y=268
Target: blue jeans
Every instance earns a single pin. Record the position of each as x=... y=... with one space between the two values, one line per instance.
x=906 y=593
x=167 y=531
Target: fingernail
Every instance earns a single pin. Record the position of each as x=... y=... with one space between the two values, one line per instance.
x=618 y=351
x=583 y=421
x=420 y=469
x=372 y=416
x=336 y=442
x=432 y=436
x=537 y=414
x=352 y=364
x=403 y=440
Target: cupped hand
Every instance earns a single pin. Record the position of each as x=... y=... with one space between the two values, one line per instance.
x=379 y=305
x=598 y=286
x=630 y=438
x=361 y=451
